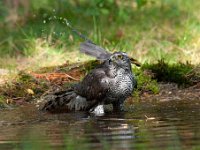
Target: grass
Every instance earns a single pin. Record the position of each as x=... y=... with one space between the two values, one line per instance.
x=163 y=29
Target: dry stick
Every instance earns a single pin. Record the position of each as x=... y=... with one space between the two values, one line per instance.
x=70 y=77
x=46 y=75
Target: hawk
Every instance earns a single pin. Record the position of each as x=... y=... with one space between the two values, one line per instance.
x=111 y=82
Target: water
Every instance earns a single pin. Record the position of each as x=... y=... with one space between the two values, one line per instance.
x=166 y=125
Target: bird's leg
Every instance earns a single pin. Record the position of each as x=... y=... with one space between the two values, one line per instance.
x=118 y=106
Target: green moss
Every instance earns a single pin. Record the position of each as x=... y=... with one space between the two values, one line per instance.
x=182 y=74
x=2 y=101
x=90 y=65
x=145 y=82
x=24 y=77
x=25 y=87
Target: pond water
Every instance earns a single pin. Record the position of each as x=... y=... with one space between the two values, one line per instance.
x=166 y=125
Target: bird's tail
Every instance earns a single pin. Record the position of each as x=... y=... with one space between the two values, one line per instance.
x=94 y=50
x=65 y=101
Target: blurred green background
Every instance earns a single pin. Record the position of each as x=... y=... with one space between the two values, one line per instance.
x=35 y=31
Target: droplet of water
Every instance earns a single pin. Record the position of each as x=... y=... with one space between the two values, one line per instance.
x=54 y=10
x=67 y=23
x=54 y=17
x=44 y=21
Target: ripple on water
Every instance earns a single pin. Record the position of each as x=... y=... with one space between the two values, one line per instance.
x=147 y=127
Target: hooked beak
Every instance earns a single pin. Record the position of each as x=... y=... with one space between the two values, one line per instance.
x=134 y=61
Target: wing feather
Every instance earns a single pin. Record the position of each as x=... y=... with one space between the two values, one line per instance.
x=94 y=85
x=94 y=50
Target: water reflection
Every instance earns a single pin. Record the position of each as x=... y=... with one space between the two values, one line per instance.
x=168 y=125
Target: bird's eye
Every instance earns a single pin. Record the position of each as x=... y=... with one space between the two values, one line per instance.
x=120 y=57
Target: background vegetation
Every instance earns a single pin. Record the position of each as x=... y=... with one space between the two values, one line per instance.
x=148 y=30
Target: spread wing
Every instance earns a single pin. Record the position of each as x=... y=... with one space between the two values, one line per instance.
x=94 y=86
x=94 y=50
x=100 y=53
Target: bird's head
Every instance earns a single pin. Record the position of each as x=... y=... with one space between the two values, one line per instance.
x=120 y=59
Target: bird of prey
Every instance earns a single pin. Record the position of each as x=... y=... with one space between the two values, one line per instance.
x=109 y=83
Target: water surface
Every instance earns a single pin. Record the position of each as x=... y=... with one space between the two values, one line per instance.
x=166 y=125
